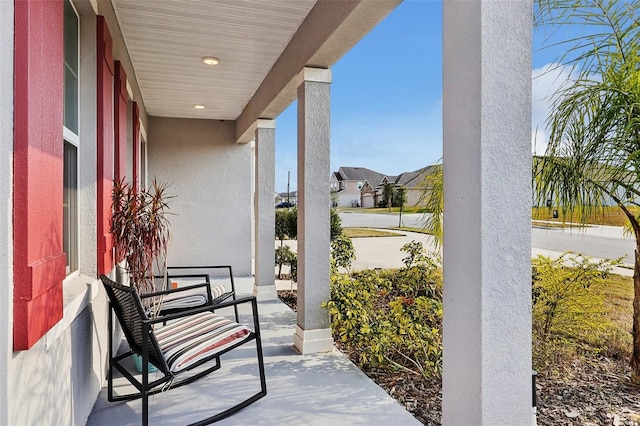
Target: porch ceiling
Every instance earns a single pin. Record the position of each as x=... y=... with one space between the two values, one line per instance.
x=166 y=40
x=262 y=45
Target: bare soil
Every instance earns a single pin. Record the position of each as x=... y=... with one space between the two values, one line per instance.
x=590 y=392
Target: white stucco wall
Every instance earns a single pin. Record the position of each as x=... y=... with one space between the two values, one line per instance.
x=211 y=176
x=6 y=167
x=56 y=381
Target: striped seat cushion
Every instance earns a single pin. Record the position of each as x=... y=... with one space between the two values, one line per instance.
x=191 y=298
x=185 y=341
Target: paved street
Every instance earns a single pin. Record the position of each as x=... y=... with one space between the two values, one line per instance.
x=599 y=242
x=379 y=220
x=603 y=242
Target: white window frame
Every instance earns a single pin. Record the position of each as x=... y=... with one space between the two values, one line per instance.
x=73 y=258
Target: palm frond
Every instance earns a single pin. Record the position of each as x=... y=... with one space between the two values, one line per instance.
x=432 y=202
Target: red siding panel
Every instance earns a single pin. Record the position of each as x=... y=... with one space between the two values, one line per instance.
x=120 y=115
x=105 y=145
x=39 y=260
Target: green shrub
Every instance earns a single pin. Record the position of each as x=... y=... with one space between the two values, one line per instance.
x=569 y=317
x=392 y=319
x=286 y=225
x=384 y=323
x=284 y=256
x=421 y=274
x=335 y=223
x=342 y=254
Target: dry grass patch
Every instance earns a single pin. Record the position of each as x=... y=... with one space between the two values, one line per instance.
x=368 y=232
x=612 y=216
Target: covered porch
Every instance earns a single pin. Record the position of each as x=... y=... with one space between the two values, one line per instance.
x=311 y=389
x=153 y=103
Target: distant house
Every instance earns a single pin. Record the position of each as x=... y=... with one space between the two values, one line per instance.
x=291 y=197
x=372 y=193
x=625 y=189
x=347 y=183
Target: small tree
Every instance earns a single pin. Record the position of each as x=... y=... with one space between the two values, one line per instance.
x=400 y=198
x=284 y=256
x=336 y=224
x=387 y=191
x=286 y=227
x=342 y=254
x=593 y=154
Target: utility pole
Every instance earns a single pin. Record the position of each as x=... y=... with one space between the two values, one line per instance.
x=288 y=179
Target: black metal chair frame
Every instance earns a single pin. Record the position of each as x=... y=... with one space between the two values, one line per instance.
x=207 y=279
x=150 y=351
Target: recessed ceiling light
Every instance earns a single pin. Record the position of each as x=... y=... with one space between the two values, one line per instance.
x=211 y=60
x=199 y=106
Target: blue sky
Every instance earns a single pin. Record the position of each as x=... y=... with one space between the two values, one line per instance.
x=386 y=98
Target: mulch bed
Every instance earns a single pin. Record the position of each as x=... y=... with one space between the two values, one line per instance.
x=592 y=392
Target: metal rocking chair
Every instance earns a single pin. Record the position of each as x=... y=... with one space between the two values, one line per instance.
x=217 y=290
x=176 y=344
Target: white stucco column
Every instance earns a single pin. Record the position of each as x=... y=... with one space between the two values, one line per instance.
x=313 y=332
x=487 y=234
x=265 y=151
x=6 y=185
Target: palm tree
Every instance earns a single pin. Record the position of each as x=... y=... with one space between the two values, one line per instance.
x=401 y=199
x=387 y=191
x=593 y=154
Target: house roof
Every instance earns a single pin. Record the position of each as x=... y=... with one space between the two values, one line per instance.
x=358 y=174
x=292 y=194
x=412 y=179
x=375 y=179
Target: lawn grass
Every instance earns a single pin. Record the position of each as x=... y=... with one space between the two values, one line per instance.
x=612 y=216
x=409 y=229
x=380 y=210
x=618 y=299
x=367 y=232
x=554 y=224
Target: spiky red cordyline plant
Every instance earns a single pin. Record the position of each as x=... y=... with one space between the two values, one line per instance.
x=140 y=230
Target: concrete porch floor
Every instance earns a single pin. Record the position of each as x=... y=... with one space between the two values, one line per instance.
x=317 y=389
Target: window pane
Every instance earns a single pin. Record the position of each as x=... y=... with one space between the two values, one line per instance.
x=143 y=165
x=70 y=206
x=71 y=65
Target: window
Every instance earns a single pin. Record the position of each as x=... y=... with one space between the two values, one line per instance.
x=70 y=134
x=359 y=186
x=143 y=164
x=70 y=206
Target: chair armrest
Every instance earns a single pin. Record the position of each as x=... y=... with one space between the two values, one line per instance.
x=205 y=308
x=176 y=290
x=202 y=268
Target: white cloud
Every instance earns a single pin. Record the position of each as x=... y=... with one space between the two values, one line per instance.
x=547 y=80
